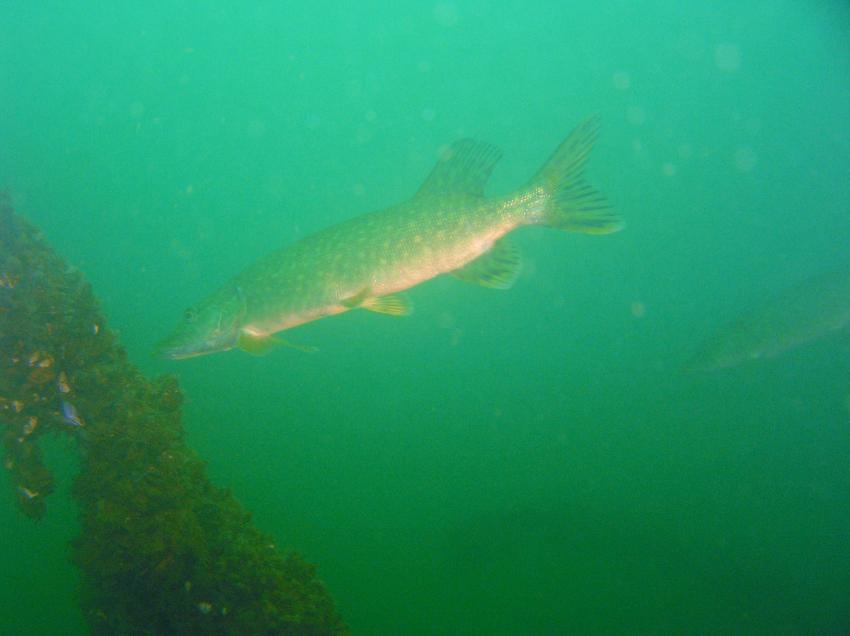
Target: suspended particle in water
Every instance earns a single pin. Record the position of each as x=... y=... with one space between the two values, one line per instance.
x=446 y=14
x=622 y=81
x=727 y=57
x=137 y=109
x=636 y=115
x=745 y=159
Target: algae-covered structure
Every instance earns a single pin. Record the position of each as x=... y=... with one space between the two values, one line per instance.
x=162 y=550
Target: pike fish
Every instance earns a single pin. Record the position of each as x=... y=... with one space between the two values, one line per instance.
x=805 y=312
x=447 y=227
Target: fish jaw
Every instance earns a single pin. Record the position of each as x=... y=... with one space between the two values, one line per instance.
x=179 y=347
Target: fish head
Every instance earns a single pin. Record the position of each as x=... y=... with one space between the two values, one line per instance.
x=210 y=326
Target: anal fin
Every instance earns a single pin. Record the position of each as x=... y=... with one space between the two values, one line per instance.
x=497 y=268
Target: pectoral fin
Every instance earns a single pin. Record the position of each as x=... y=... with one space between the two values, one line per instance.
x=352 y=302
x=496 y=268
x=261 y=345
x=391 y=304
x=256 y=345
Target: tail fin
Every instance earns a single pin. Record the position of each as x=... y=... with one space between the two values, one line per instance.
x=571 y=203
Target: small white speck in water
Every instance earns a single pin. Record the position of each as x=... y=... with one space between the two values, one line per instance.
x=745 y=159
x=636 y=116
x=622 y=81
x=727 y=57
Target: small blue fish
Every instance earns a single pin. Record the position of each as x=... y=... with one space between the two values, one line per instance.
x=70 y=415
x=8 y=281
x=27 y=493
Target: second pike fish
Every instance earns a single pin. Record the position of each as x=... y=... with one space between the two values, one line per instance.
x=448 y=227
x=806 y=312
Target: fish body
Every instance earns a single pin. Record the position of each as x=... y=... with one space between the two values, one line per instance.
x=383 y=252
x=449 y=226
x=803 y=313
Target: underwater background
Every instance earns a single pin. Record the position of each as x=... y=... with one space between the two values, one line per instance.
x=521 y=462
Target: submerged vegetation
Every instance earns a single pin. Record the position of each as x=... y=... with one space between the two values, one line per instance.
x=162 y=550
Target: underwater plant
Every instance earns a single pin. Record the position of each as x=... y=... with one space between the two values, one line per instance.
x=162 y=550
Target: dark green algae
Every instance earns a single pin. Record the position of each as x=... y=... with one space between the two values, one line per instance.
x=162 y=550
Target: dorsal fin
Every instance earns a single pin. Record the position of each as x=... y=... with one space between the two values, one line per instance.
x=463 y=168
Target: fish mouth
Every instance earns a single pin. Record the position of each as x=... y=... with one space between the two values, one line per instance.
x=167 y=353
x=169 y=350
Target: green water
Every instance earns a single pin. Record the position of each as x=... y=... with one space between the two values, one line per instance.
x=520 y=462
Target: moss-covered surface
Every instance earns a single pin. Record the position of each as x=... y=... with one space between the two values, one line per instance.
x=162 y=550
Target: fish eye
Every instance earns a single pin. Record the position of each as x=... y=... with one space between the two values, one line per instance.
x=190 y=315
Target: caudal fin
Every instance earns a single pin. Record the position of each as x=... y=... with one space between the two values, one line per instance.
x=571 y=203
